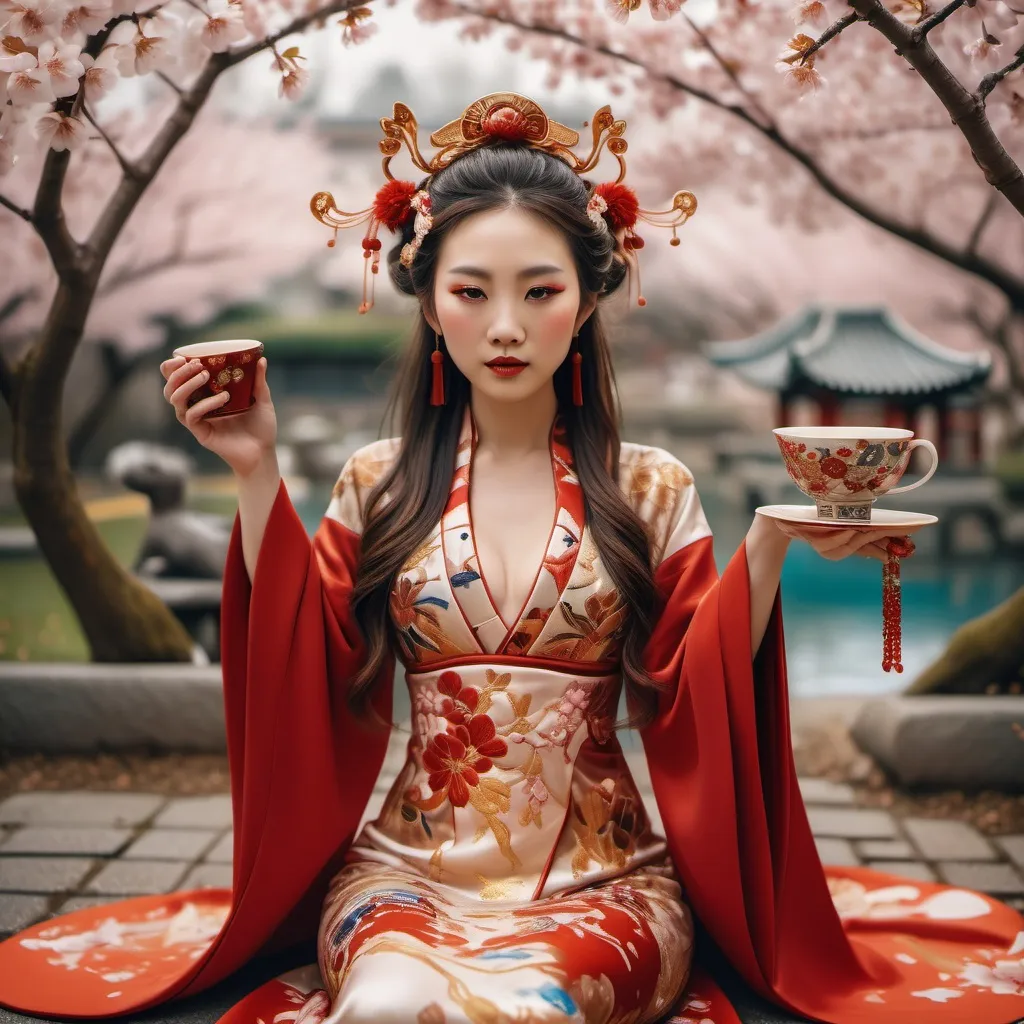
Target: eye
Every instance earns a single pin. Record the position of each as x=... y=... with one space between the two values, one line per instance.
x=542 y=292
x=470 y=292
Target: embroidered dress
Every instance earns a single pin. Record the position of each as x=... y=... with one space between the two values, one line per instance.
x=512 y=873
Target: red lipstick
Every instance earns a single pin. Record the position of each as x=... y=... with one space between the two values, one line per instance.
x=506 y=366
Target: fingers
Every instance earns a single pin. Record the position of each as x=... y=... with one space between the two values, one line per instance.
x=196 y=412
x=182 y=386
x=168 y=366
x=178 y=375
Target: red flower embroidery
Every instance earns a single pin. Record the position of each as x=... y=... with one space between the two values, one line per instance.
x=459 y=701
x=844 y=453
x=834 y=468
x=457 y=759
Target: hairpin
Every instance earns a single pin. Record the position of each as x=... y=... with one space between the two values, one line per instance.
x=509 y=117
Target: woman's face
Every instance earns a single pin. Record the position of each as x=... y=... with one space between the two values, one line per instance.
x=506 y=285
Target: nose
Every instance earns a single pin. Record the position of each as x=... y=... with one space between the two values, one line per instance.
x=506 y=328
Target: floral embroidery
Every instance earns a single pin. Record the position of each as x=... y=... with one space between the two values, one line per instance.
x=458 y=758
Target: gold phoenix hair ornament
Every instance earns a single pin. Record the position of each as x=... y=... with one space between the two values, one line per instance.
x=502 y=117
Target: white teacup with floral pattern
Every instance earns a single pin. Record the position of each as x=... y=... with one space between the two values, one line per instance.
x=844 y=469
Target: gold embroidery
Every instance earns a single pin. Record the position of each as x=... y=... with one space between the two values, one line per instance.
x=498 y=888
x=496 y=683
x=604 y=823
x=588 y=634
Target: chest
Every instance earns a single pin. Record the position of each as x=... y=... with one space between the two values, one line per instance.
x=512 y=512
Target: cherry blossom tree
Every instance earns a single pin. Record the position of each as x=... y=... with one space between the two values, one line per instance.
x=62 y=65
x=197 y=240
x=920 y=146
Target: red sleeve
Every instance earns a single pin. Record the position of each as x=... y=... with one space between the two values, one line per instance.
x=721 y=764
x=302 y=768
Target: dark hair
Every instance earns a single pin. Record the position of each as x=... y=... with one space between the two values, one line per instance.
x=498 y=176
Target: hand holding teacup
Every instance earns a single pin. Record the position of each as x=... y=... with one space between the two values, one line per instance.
x=208 y=383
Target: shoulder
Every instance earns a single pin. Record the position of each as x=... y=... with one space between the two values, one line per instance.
x=360 y=474
x=661 y=490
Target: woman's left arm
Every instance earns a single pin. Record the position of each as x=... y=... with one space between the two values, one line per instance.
x=766 y=548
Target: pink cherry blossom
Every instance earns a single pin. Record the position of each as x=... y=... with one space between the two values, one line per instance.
x=293 y=83
x=254 y=18
x=85 y=18
x=662 y=10
x=61 y=62
x=30 y=20
x=60 y=132
x=100 y=76
x=224 y=26
x=25 y=88
x=142 y=55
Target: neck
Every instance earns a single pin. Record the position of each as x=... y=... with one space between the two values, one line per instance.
x=514 y=429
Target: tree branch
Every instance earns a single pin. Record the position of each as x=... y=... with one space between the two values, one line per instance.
x=986 y=216
x=127 y=166
x=25 y=215
x=921 y=30
x=831 y=32
x=48 y=211
x=966 y=110
x=138 y=271
x=1010 y=285
x=8 y=380
x=728 y=70
x=990 y=81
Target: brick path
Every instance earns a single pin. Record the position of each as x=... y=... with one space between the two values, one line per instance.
x=63 y=850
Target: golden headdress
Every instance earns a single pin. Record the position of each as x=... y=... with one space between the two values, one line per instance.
x=502 y=116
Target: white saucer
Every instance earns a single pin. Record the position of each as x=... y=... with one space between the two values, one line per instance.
x=886 y=519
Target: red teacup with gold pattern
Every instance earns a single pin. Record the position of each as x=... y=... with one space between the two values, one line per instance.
x=844 y=469
x=232 y=368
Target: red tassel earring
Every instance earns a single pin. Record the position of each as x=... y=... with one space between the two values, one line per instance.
x=437 y=381
x=577 y=381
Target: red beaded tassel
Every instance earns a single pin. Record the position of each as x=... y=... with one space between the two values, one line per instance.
x=577 y=379
x=437 y=381
x=892 y=607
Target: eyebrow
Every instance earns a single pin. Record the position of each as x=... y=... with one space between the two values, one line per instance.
x=528 y=272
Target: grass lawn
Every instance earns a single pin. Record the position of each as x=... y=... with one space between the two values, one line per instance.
x=36 y=620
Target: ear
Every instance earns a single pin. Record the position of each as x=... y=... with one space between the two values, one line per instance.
x=431 y=318
x=587 y=306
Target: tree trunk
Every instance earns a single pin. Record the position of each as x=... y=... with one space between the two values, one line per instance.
x=121 y=618
x=984 y=655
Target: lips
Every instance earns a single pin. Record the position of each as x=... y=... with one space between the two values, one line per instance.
x=505 y=361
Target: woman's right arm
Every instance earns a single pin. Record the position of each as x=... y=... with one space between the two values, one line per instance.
x=256 y=493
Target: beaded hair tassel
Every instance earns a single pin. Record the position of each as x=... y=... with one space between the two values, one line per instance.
x=892 y=605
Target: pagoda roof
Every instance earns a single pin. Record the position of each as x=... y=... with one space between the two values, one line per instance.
x=852 y=350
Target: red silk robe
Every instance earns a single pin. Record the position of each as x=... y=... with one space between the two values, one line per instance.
x=838 y=945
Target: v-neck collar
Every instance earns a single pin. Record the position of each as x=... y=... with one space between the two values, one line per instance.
x=462 y=558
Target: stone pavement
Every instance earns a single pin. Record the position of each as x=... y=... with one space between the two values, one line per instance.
x=64 y=850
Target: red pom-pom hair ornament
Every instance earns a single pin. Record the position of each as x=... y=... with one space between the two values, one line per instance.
x=392 y=204
x=392 y=207
x=621 y=204
x=617 y=207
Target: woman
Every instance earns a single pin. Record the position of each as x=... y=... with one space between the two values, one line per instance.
x=524 y=565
